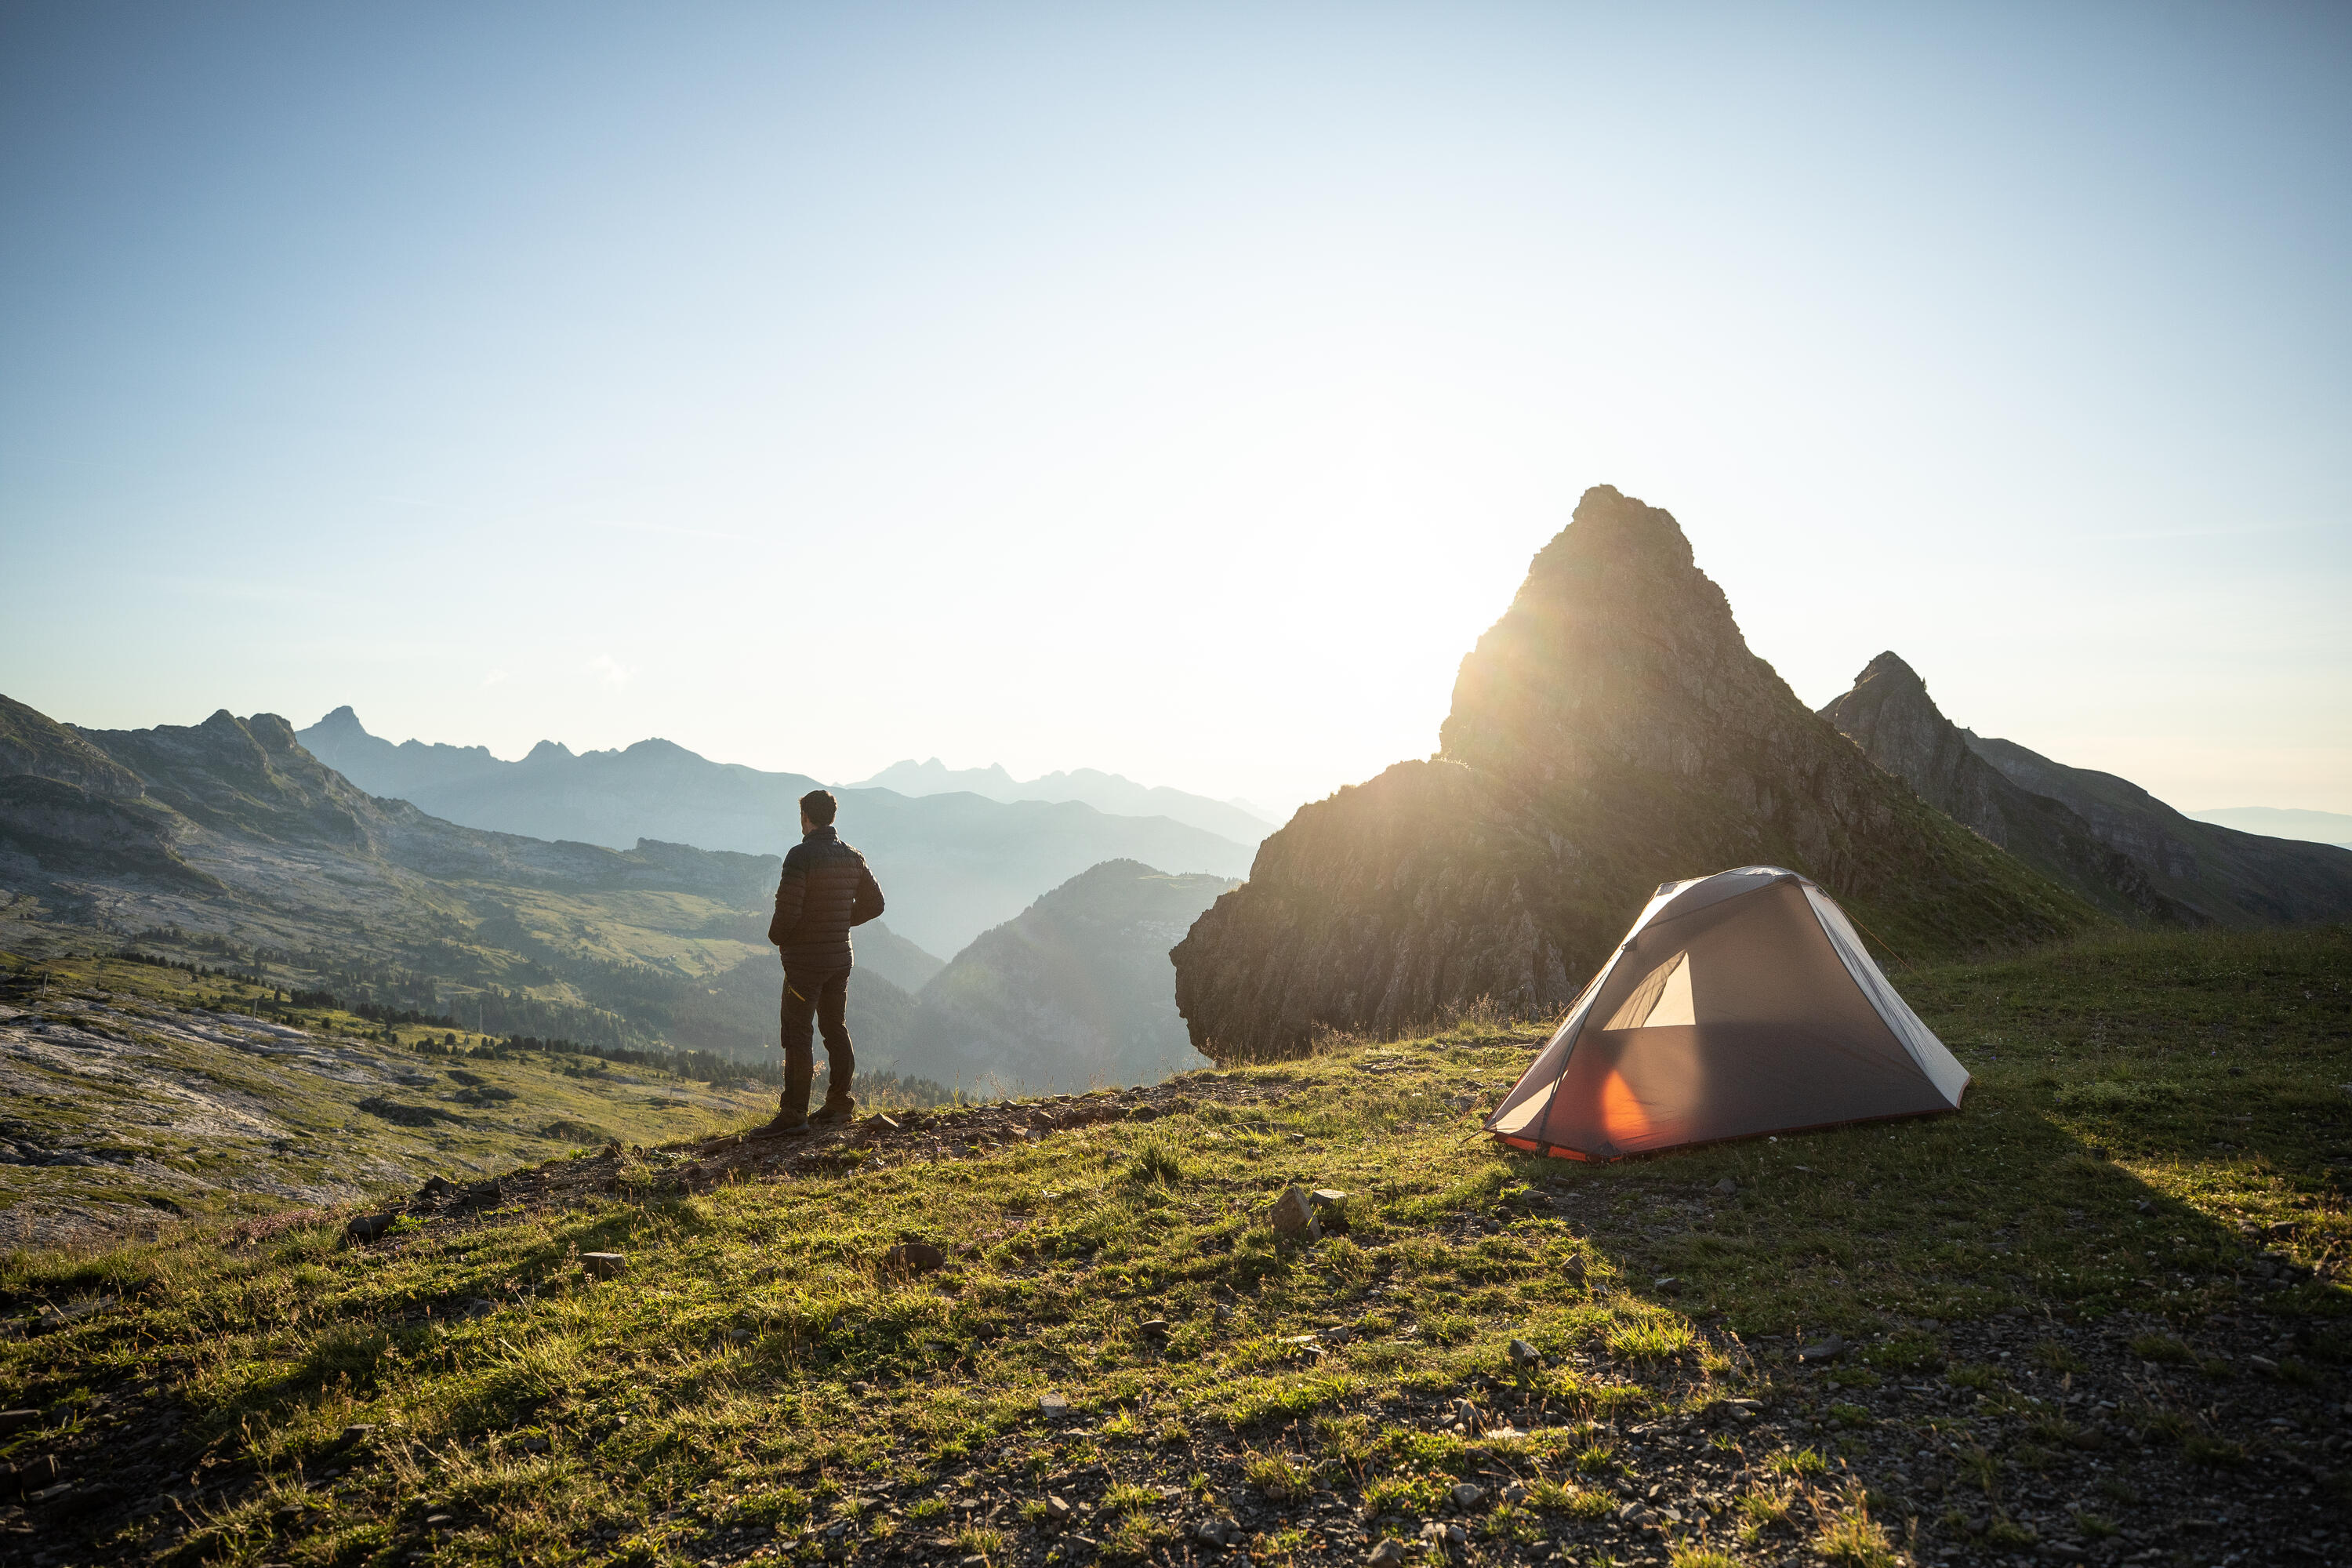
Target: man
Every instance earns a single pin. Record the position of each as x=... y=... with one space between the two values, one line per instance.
x=825 y=890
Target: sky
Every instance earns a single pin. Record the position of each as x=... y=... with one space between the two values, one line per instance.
x=1175 y=390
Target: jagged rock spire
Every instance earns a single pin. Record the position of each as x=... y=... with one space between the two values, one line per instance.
x=1612 y=731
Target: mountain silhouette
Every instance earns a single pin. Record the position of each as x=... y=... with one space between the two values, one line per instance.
x=1107 y=792
x=2102 y=835
x=1074 y=993
x=1611 y=732
x=952 y=866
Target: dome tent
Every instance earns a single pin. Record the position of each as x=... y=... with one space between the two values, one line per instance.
x=1740 y=1004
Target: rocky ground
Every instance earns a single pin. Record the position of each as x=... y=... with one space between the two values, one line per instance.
x=122 y=1115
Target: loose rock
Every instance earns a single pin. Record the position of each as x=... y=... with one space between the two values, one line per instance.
x=1523 y=1354
x=1467 y=1496
x=1389 y=1554
x=1826 y=1349
x=604 y=1264
x=368 y=1227
x=1293 y=1216
x=1053 y=1407
x=915 y=1256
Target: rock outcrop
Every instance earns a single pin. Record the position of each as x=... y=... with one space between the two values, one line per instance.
x=1611 y=732
x=2105 y=837
x=1890 y=716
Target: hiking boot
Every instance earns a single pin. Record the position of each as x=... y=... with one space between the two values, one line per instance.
x=784 y=1126
x=835 y=1111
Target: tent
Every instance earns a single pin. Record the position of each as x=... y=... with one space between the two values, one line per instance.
x=1740 y=1004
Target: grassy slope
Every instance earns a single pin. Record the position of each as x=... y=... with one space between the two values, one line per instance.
x=2141 y=1102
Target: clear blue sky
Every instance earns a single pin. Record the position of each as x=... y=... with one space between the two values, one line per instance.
x=1174 y=390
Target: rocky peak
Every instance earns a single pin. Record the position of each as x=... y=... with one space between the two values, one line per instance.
x=34 y=745
x=1889 y=714
x=251 y=775
x=1617 y=651
x=1609 y=732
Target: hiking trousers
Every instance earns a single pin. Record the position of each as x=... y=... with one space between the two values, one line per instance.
x=821 y=998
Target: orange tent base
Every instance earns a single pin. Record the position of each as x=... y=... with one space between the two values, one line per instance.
x=1536 y=1146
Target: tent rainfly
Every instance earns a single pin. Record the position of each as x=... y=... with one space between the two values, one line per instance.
x=1740 y=1004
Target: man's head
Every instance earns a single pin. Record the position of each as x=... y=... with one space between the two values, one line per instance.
x=817 y=808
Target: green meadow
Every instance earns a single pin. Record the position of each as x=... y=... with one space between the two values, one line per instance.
x=2153 y=1153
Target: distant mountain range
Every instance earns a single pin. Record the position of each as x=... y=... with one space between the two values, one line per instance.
x=2275 y=822
x=1107 y=793
x=230 y=843
x=2101 y=836
x=1076 y=993
x=951 y=864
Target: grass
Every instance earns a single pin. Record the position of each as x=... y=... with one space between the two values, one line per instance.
x=753 y=1367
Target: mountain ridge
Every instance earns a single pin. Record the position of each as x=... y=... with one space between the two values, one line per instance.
x=953 y=865
x=1889 y=714
x=1611 y=731
x=241 y=839
x=2102 y=835
x=1112 y=794
x=1074 y=992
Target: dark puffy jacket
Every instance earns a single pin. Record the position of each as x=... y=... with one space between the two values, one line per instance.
x=825 y=890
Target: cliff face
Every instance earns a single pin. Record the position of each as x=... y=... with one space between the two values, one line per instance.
x=1611 y=731
x=1890 y=716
